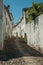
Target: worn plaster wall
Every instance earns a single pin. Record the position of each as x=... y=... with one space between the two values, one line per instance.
x=40 y=25
x=34 y=31
x=1 y=21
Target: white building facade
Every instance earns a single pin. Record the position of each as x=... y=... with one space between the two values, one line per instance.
x=19 y=28
x=4 y=21
x=9 y=18
x=1 y=21
x=34 y=31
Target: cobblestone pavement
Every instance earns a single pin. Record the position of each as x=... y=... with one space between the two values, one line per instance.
x=24 y=61
x=33 y=60
x=23 y=54
x=16 y=61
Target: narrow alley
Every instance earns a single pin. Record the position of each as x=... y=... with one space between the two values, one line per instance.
x=17 y=52
x=16 y=44
x=21 y=32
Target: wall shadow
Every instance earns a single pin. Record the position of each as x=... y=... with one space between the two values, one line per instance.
x=11 y=50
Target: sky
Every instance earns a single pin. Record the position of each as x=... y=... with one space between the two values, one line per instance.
x=16 y=7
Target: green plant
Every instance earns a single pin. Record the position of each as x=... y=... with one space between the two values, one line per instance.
x=34 y=11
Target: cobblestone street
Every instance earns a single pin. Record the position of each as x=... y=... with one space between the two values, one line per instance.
x=24 y=61
x=17 y=61
x=22 y=54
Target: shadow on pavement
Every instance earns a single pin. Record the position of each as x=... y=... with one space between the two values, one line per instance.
x=11 y=50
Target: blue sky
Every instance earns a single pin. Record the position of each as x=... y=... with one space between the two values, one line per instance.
x=17 y=5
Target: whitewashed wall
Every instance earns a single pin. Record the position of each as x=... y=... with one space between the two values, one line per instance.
x=8 y=25
x=27 y=31
x=34 y=31
x=3 y=24
x=30 y=32
x=1 y=21
x=40 y=21
x=16 y=30
x=20 y=28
